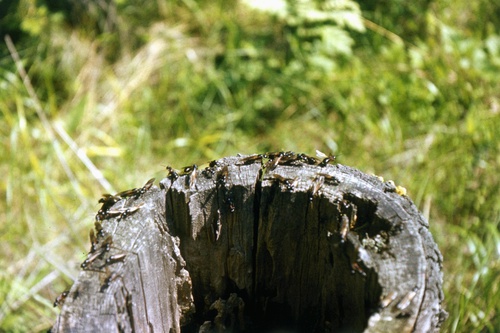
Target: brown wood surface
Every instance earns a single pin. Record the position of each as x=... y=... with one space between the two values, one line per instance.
x=241 y=248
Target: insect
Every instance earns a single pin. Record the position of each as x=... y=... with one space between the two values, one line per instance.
x=223 y=176
x=98 y=253
x=114 y=259
x=401 y=190
x=288 y=159
x=123 y=212
x=272 y=163
x=316 y=186
x=388 y=299
x=344 y=227
x=272 y=155
x=325 y=158
x=289 y=183
x=172 y=174
x=348 y=218
x=406 y=300
x=98 y=228
x=134 y=192
x=146 y=186
x=93 y=240
x=213 y=164
x=111 y=277
x=192 y=178
x=307 y=159
x=208 y=172
x=191 y=170
x=128 y=193
x=252 y=159
x=109 y=199
x=354 y=216
x=61 y=298
x=330 y=179
x=357 y=268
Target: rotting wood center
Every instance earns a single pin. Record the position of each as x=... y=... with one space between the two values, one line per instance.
x=280 y=243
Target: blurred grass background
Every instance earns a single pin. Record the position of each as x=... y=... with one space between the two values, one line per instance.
x=406 y=90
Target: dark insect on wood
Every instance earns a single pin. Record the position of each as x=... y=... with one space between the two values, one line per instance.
x=112 y=213
x=98 y=253
x=192 y=172
x=252 y=159
x=208 y=172
x=213 y=164
x=316 y=186
x=273 y=155
x=114 y=259
x=193 y=177
x=136 y=192
x=325 y=158
x=128 y=211
x=348 y=218
x=222 y=176
x=307 y=159
x=109 y=279
x=93 y=240
x=188 y=169
x=172 y=173
x=288 y=182
x=326 y=161
x=61 y=298
x=122 y=212
x=109 y=199
x=273 y=163
x=146 y=187
x=128 y=193
x=98 y=228
x=329 y=179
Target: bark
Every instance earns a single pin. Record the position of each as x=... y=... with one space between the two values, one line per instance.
x=238 y=247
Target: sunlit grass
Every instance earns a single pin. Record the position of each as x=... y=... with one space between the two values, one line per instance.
x=209 y=82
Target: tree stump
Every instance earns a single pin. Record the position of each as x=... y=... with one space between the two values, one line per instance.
x=259 y=244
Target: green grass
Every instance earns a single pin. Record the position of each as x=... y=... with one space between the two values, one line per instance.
x=176 y=84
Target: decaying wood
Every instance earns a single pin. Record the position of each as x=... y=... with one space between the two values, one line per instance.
x=239 y=247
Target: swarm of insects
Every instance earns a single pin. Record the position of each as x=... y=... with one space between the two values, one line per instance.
x=109 y=200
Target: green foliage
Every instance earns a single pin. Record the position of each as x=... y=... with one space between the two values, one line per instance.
x=134 y=86
x=406 y=19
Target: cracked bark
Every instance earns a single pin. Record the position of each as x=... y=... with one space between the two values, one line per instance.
x=314 y=249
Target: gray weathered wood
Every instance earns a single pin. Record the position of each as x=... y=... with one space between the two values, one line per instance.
x=249 y=252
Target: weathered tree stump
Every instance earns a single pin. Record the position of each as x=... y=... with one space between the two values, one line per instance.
x=244 y=246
